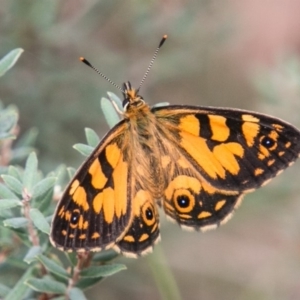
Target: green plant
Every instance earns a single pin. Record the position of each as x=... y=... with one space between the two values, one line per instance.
x=35 y=268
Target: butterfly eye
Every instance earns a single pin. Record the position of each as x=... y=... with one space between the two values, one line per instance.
x=183 y=201
x=148 y=214
x=75 y=217
x=267 y=142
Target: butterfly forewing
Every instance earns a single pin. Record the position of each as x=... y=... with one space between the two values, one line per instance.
x=96 y=207
x=233 y=150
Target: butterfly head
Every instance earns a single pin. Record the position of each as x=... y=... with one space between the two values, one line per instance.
x=131 y=98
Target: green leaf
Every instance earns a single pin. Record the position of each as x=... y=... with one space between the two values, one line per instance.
x=32 y=253
x=30 y=172
x=19 y=154
x=28 y=138
x=6 y=214
x=72 y=257
x=5 y=240
x=60 y=173
x=113 y=97
x=86 y=282
x=4 y=290
x=102 y=271
x=15 y=222
x=110 y=114
x=43 y=186
x=76 y=294
x=39 y=220
x=92 y=137
x=71 y=172
x=105 y=256
x=14 y=172
x=9 y=203
x=53 y=267
x=7 y=136
x=8 y=119
x=9 y=60
x=19 y=289
x=44 y=203
x=46 y=285
x=161 y=104
x=13 y=183
x=6 y=193
x=85 y=150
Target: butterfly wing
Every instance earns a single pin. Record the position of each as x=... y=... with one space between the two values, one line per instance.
x=234 y=150
x=96 y=207
x=144 y=230
x=213 y=156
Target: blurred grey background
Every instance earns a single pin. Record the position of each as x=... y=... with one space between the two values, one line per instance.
x=242 y=54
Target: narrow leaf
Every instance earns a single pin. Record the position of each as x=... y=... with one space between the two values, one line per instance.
x=15 y=222
x=9 y=203
x=113 y=97
x=85 y=150
x=30 y=172
x=43 y=202
x=6 y=214
x=76 y=294
x=43 y=186
x=15 y=172
x=53 y=267
x=13 y=183
x=8 y=119
x=28 y=138
x=105 y=256
x=72 y=257
x=9 y=60
x=7 y=136
x=19 y=289
x=46 y=285
x=31 y=255
x=91 y=137
x=71 y=172
x=6 y=193
x=102 y=271
x=110 y=114
x=87 y=282
x=39 y=220
x=4 y=290
x=161 y=104
x=19 y=154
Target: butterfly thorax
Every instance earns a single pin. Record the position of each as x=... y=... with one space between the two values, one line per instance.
x=133 y=104
x=142 y=149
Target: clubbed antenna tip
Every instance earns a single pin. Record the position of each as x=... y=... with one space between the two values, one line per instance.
x=85 y=61
x=152 y=60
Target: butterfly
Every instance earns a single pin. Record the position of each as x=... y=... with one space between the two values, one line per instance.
x=195 y=162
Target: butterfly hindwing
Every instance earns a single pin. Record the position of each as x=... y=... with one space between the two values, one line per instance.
x=188 y=198
x=96 y=207
x=194 y=205
x=144 y=230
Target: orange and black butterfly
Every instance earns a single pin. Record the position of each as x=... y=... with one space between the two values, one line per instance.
x=195 y=162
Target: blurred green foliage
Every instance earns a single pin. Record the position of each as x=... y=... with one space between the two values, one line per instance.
x=256 y=255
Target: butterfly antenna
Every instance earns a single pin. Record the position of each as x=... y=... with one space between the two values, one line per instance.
x=100 y=73
x=152 y=60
